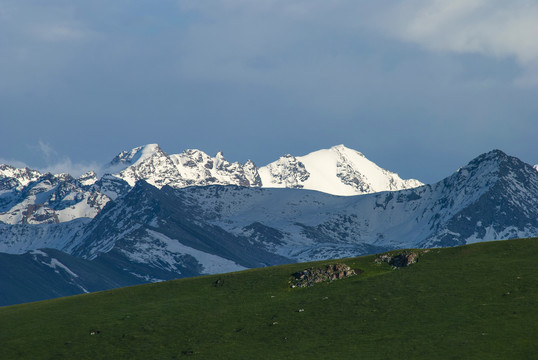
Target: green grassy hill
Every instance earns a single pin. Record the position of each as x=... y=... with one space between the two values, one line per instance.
x=472 y=302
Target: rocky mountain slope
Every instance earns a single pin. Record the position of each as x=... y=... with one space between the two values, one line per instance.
x=161 y=232
x=30 y=197
x=48 y=273
x=494 y=197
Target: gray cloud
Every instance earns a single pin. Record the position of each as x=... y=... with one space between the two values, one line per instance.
x=66 y=165
x=407 y=83
x=46 y=150
x=489 y=27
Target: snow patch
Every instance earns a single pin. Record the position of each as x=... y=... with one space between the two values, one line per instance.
x=38 y=252
x=212 y=264
x=55 y=264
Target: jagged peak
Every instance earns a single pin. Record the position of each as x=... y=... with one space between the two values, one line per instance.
x=136 y=154
x=132 y=157
x=90 y=173
x=492 y=158
x=64 y=177
x=493 y=154
x=88 y=178
x=4 y=167
x=193 y=152
x=7 y=170
x=286 y=157
x=488 y=169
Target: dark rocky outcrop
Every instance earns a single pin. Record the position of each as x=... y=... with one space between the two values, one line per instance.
x=312 y=276
x=399 y=259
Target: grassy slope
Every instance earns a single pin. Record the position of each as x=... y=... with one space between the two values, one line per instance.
x=472 y=302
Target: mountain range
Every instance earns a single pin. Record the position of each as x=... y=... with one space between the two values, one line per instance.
x=154 y=216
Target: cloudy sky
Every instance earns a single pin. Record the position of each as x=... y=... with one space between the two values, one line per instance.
x=420 y=87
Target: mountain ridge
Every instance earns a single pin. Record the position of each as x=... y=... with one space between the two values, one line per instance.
x=29 y=196
x=338 y=170
x=481 y=201
x=160 y=233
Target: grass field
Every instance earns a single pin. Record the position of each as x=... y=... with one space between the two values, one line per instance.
x=473 y=302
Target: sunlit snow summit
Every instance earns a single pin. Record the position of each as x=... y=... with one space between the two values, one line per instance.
x=338 y=171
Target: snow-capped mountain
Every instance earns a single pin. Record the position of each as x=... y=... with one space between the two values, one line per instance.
x=338 y=171
x=494 y=197
x=164 y=230
x=30 y=197
x=190 y=168
x=13 y=178
x=48 y=198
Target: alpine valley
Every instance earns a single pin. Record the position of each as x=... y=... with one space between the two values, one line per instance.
x=148 y=216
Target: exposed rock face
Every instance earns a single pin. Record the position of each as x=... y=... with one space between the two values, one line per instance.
x=401 y=259
x=12 y=178
x=29 y=197
x=190 y=168
x=312 y=276
x=286 y=172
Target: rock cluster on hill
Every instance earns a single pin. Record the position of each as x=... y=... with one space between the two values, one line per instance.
x=312 y=276
x=398 y=260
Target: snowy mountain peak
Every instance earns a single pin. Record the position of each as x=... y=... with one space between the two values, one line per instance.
x=482 y=170
x=491 y=165
x=131 y=157
x=343 y=149
x=12 y=177
x=191 y=168
x=493 y=155
x=286 y=172
x=88 y=178
x=338 y=171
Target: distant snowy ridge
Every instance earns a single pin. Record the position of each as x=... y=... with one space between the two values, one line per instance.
x=31 y=197
x=190 y=168
x=337 y=171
